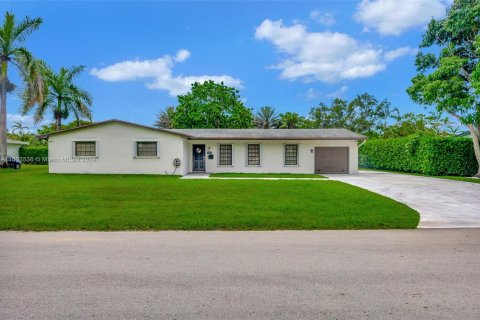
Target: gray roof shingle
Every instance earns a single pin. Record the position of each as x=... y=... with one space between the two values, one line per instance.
x=237 y=134
x=270 y=134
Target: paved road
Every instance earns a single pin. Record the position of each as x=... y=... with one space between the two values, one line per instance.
x=395 y=274
x=441 y=203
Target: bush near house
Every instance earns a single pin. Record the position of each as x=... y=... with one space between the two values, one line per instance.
x=436 y=156
x=34 y=154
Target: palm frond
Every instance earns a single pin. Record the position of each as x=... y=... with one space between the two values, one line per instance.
x=25 y=28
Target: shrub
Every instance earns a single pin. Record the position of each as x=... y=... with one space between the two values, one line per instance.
x=436 y=156
x=34 y=155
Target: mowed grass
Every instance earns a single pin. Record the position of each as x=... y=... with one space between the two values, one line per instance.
x=32 y=199
x=266 y=175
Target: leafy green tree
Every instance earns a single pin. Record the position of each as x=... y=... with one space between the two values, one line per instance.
x=364 y=114
x=49 y=128
x=292 y=120
x=211 y=105
x=12 y=53
x=451 y=80
x=164 y=118
x=62 y=96
x=411 y=123
x=266 y=118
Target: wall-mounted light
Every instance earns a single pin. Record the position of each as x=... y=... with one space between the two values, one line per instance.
x=311 y=150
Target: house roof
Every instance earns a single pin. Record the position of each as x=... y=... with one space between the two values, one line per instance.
x=237 y=134
x=271 y=134
x=96 y=124
x=10 y=141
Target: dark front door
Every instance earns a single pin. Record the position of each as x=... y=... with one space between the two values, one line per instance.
x=198 y=157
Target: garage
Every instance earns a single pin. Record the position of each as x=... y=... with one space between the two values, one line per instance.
x=331 y=159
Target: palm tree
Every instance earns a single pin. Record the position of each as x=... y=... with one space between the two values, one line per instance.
x=12 y=35
x=290 y=120
x=266 y=118
x=164 y=118
x=19 y=128
x=62 y=96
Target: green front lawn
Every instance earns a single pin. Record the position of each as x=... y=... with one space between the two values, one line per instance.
x=32 y=199
x=464 y=179
x=266 y=175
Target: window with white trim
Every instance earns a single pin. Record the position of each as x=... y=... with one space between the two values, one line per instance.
x=291 y=154
x=225 y=155
x=85 y=148
x=147 y=149
x=253 y=154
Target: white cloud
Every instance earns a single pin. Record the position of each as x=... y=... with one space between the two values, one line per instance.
x=26 y=121
x=182 y=55
x=160 y=71
x=323 y=18
x=320 y=56
x=393 y=17
x=338 y=93
x=400 y=52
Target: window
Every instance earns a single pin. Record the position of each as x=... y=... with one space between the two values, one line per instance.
x=253 y=154
x=85 y=149
x=291 y=154
x=147 y=149
x=225 y=155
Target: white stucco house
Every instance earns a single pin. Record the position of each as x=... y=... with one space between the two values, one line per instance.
x=116 y=146
x=13 y=147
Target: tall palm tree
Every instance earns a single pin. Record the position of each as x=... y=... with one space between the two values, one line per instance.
x=12 y=36
x=266 y=118
x=164 y=118
x=19 y=128
x=62 y=96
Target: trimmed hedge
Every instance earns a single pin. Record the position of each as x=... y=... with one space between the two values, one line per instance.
x=436 y=156
x=34 y=155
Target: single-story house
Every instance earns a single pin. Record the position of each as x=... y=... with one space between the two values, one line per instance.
x=116 y=146
x=13 y=147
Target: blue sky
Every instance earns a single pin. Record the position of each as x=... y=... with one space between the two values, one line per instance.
x=290 y=55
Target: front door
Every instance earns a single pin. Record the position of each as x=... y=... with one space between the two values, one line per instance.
x=198 y=157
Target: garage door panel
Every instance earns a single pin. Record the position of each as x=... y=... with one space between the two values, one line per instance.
x=331 y=160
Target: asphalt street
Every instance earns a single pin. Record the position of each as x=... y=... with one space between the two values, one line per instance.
x=382 y=274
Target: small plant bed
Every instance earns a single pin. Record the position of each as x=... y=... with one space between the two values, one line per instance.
x=464 y=179
x=266 y=175
x=39 y=201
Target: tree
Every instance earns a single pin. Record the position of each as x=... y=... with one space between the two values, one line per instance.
x=411 y=123
x=211 y=105
x=451 y=80
x=364 y=114
x=19 y=128
x=62 y=96
x=164 y=118
x=49 y=128
x=12 y=35
x=292 y=120
x=266 y=118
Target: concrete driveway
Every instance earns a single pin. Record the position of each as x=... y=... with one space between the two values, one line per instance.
x=441 y=203
x=377 y=274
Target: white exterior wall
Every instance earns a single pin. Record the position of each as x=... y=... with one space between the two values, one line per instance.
x=271 y=155
x=12 y=150
x=115 y=151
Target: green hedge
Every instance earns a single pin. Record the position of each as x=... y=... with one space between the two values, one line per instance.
x=34 y=155
x=436 y=156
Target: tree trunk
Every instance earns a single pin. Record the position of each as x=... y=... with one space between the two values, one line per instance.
x=58 y=116
x=3 y=121
x=58 y=121
x=476 y=146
